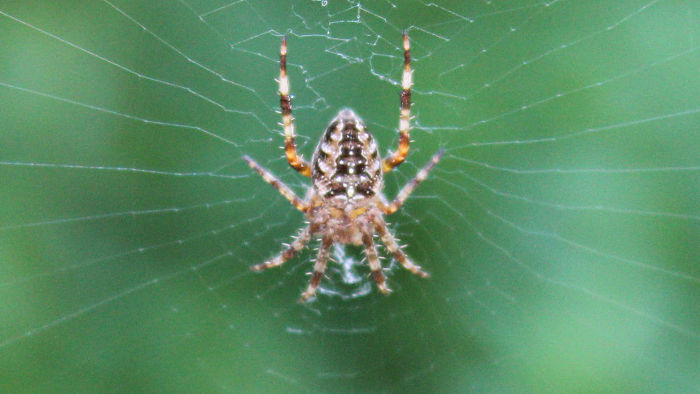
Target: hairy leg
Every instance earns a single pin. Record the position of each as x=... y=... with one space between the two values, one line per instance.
x=319 y=268
x=277 y=184
x=374 y=264
x=299 y=243
x=405 y=118
x=290 y=146
x=412 y=184
x=393 y=246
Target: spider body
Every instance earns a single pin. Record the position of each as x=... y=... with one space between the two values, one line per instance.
x=346 y=174
x=346 y=204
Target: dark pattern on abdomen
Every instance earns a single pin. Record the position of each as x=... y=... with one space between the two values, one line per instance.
x=350 y=160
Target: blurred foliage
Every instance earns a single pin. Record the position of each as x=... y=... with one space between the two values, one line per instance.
x=561 y=228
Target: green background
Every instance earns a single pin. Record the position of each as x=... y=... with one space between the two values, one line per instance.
x=561 y=228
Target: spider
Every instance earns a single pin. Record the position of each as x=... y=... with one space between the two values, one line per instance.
x=346 y=204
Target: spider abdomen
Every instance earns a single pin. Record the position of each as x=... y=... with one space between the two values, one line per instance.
x=346 y=164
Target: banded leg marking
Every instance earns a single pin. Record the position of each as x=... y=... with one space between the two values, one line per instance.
x=405 y=119
x=319 y=268
x=393 y=247
x=299 y=243
x=374 y=264
x=290 y=147
x=277 y=184
x=412 y=184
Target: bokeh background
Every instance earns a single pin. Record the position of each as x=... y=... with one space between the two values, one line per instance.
x=561 y=228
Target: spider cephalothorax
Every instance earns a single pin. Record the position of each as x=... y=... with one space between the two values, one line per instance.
x=346 y=204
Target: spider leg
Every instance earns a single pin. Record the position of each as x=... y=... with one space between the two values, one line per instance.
x=404 y=120
x=290 y=147
x=374 y=264
x=277 y=184
x=319 y=268
x=412 y=184
x=298 y=244
x=393 y=246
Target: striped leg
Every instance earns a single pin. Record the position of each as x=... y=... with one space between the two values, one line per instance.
x=393 y=246
x=319 y=268
x=298 y=244
x=290 y=146
x=412 y=184
x=277 y=184
x=374 y=264
x=405 y=119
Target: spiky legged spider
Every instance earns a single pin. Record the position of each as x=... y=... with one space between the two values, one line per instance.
x=345 y=204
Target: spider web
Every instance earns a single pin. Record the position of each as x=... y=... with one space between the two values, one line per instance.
x=560 y=228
